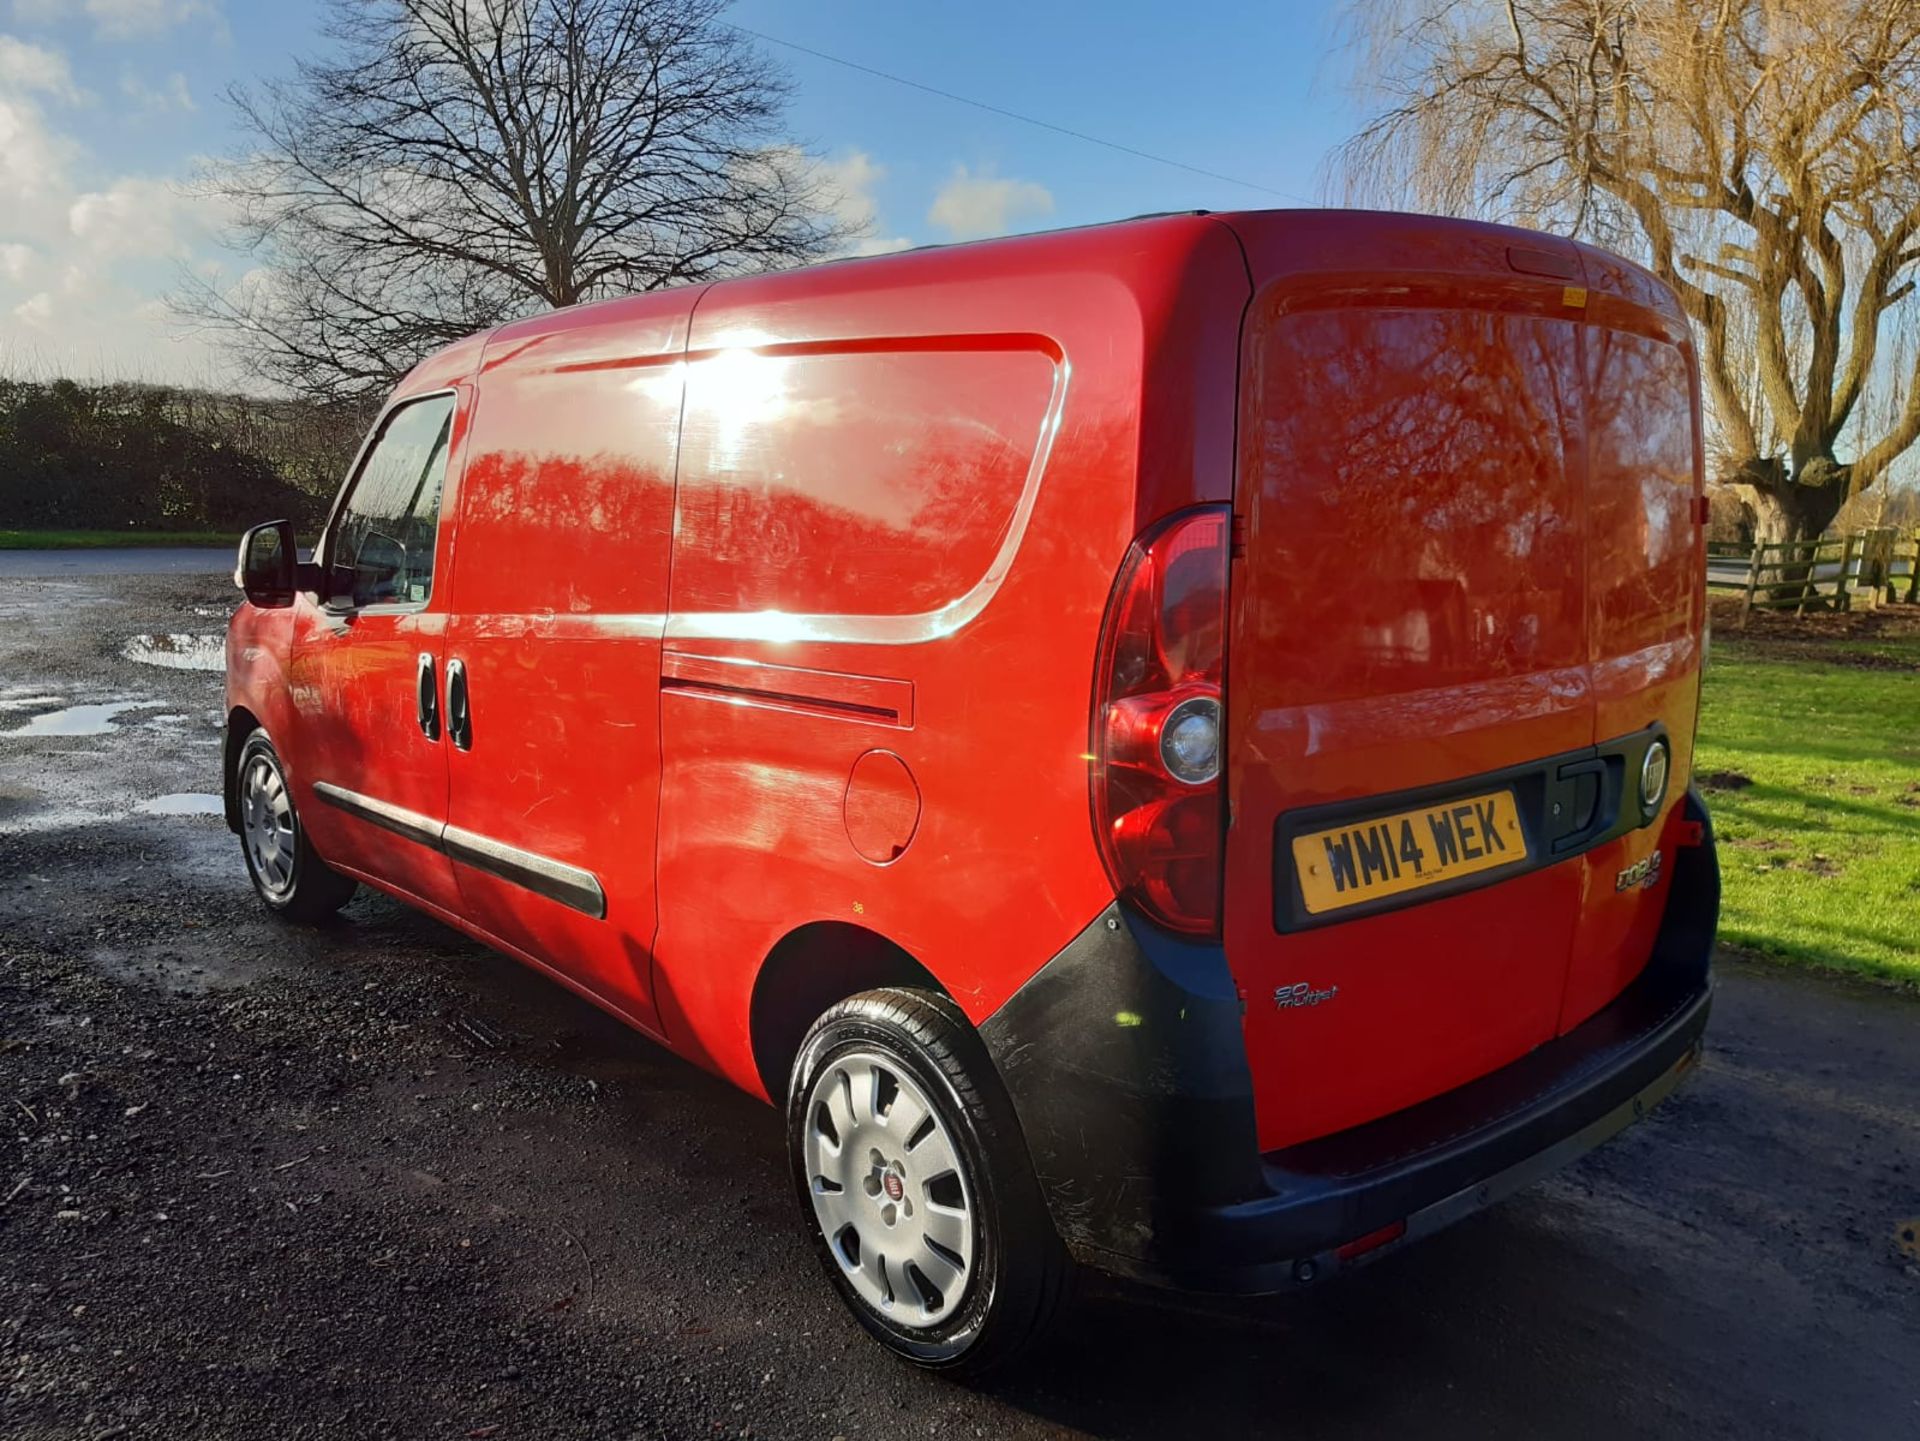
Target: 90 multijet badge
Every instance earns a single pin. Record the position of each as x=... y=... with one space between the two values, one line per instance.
x=1302 y=994
x=1643 y=872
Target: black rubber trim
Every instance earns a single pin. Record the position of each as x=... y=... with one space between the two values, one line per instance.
x=1567 y=804
x=1125 y=1060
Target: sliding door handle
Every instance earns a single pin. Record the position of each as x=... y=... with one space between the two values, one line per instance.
x=426 y=698
x=459 y=712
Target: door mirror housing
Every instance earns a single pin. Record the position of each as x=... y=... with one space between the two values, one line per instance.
x=269 y=571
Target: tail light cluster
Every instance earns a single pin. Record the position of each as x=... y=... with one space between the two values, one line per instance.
x=1158 y=726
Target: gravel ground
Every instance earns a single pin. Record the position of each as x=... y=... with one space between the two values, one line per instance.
x=376 y=1181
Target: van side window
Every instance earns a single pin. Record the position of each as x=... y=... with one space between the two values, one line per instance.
x=383 y=541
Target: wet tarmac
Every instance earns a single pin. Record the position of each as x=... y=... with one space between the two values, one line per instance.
x=373 y=1180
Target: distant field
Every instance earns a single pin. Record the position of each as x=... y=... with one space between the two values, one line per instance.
x=1810 y=760
x=96 y=539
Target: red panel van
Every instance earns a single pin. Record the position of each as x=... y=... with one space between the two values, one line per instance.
x=1164 y=746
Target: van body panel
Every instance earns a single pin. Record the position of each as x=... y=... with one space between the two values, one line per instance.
x=354 y=675
x=1391 y=634
x=1647 y=556
x=1469 y=545
x=565 y=524
x=833 y=417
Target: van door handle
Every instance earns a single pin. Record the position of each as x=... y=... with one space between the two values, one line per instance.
x=459 y=714
x=1592 y=812
x=426 y=698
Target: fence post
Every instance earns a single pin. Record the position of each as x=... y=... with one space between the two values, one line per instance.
x=1843 y=586
x=1753 y=579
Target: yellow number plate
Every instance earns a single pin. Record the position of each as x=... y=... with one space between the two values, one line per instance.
x=1393 y=854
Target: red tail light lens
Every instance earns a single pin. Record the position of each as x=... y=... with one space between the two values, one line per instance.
x=1158 y=724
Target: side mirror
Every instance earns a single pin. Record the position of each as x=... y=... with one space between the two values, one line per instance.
x=268 y=570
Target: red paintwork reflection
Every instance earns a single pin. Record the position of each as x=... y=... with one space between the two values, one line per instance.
x=1646 y=560
x=565 y=529
x=352 y=681
x=911 y=460
x=1469 y=546
x=1410 y=611
x=901 y=380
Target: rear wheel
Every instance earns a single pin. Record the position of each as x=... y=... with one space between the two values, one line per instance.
x=287 y=876
x=916 y=1183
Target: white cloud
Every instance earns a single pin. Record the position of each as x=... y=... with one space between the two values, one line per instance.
x=27 y=69
x=847 y=184
x=139 y=217
x=85 y=253
x=121 y=19
x=33 y=159
x=170 y=94
x=970 y=206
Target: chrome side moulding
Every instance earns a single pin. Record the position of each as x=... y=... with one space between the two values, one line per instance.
x=399 y=820
x=557 y=881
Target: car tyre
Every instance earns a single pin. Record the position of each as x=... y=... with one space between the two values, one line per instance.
x=288 y=876
x=937 y=1236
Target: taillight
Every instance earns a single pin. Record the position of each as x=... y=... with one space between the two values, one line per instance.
x=1158 y=725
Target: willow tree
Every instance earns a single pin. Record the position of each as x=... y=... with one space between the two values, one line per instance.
x=1761 y=156
x=443 y=165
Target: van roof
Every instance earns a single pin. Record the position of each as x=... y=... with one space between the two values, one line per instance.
x=1241 y=221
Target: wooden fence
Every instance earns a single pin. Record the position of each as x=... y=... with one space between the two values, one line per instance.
x=1836 y=573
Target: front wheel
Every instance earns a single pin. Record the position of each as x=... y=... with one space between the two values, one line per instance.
x=287 y=876
x=917 y=1186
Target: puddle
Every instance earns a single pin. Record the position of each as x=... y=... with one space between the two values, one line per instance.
x=178 y=651
x=79 y=720
x=183 y=803
x=28 y=702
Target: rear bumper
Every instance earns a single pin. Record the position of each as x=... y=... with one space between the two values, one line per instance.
x=1125 y=1062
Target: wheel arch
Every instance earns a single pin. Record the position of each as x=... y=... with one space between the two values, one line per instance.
x=241 y=723
x=812 y=968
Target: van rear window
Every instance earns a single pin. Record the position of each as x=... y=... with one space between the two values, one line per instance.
x=851 y=483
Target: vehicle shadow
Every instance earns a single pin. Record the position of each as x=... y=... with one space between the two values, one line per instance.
x=1450 y=1338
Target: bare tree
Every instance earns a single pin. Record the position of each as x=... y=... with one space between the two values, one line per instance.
x=1758 y=155
x=455 y=163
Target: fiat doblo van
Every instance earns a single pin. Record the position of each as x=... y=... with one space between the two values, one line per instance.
x=1164 y=746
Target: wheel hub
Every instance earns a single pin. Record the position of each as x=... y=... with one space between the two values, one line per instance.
x=888 y=1189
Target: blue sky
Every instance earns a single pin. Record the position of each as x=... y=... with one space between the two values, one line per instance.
x=106 y=105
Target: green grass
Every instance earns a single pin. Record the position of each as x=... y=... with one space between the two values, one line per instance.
x=91 y=539
x=1820 y=855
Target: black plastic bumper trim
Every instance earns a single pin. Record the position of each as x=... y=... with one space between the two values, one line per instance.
x=1125 y=1061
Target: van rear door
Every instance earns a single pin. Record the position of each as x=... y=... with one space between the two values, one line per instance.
x=1646 y=602
x=1410 y=653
